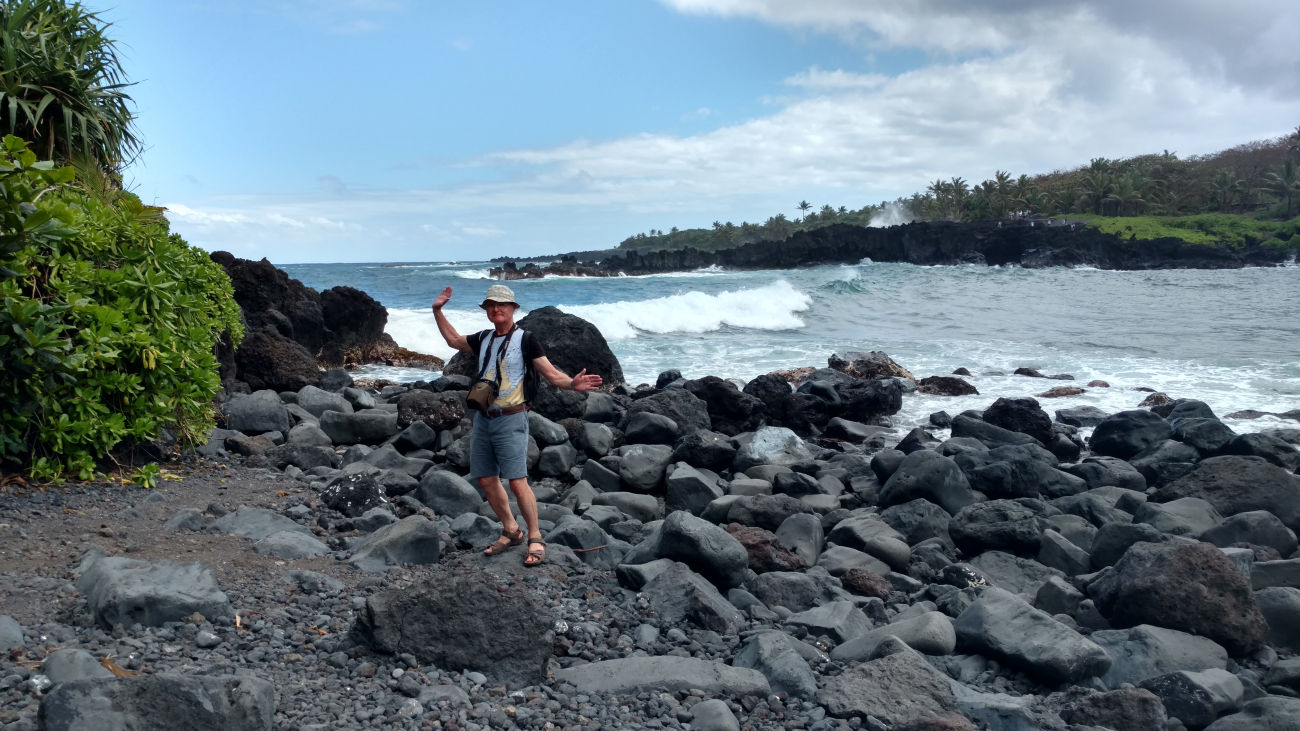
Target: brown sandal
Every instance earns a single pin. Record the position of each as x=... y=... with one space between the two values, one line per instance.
x=505 y=542
x=535 y=557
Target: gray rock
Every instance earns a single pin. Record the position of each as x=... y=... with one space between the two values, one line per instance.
x=1267 y=446
x=690 y=489
x=1146 y=651
x=988 y=434
x=595 y=440
x=462 y=618
x=1108 y=471
x=69 y=664
x=231 y=703
x=1187 y=586
x=126 y=591
x=256 y=413
x=678 y=595
x=1234 y=484
x=1206 y=435
x=929 y=475
x=307 y=434
x=316 y=401
x=546 y=431
x=713 y=714
x=898 y=689
x=648 y=428
x=313 y=582
x=838 y=560
x=643 y=466
x=705 y=547
x=290 y=545
x=840 y=620
x=1125 y=434
x=1188 y=516
x=776 y=656
x=1257 y=527
x=705 y=448
x=371 y=426
x=1285 y=572
x=1057 y=552
x=1081 y=416
x=644 y=508
x=871 y=535
x=772 y=445
x=796 y=591
x=256 y=523
x=1023 y=576
x=1002 y=626
x=600 y=477
x=803 y=534
x=1280 y=606
x=632 y=675
x=556 y=460
x=447 y=493
x=930 y=633
x=412 y=540
x=11 y=633
x=1015 y=526
x=1271 y=713
x=189 y=519
x=374 y=519
x=1197 y=697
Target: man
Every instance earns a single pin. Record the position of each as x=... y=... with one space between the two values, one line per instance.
x=499 y=443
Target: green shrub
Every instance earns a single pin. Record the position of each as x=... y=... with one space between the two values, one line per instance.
x=107 y=323
x=1216 y=229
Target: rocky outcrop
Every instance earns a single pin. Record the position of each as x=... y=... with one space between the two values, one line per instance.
x=1032 y=244
x=571 y=343
x=291 y=330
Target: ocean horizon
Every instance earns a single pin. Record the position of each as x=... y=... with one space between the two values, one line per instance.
x=1226 y=337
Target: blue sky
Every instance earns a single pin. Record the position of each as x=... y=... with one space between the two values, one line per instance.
x=426 y=130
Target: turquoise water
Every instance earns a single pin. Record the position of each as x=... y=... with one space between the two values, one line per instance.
x=1229 y=338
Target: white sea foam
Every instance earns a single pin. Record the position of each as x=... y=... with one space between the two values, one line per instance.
x=416 y=329
x=773 y=306
x=473 y=273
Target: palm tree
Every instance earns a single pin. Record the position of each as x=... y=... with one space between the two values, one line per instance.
x=61 y=84
x=804 y=207
x=1226 y=186
x=1127 y=194
x=1284 y=183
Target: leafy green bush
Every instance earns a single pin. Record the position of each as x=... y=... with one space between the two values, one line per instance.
x=107 y=323
x=1218 y=229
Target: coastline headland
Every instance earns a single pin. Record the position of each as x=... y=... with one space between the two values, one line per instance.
x=1031 y=244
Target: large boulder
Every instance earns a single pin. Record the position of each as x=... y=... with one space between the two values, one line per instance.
x=267 y=359
x=705 y=547
x=355 y=319
x=228 y=702
x=1129 y=432
x=462 y=619
x=1236 y=484
x=1182 y=585
x=1022 y=415
x=868 y=366
x=1005 y=627
x=127 y=591
x=731 y=411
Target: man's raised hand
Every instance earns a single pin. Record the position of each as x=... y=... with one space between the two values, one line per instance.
x=442 y=298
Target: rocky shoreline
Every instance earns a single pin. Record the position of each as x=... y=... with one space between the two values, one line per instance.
x=1030 y=244
x=765 y=556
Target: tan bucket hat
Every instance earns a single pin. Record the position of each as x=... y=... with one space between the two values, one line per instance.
x=499 y=293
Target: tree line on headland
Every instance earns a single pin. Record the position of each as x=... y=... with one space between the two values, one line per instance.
x=1251 y=191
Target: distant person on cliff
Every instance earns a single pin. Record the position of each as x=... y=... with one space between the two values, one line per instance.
x=499 y=443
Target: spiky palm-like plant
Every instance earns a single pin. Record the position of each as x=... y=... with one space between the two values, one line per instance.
x=61 y=85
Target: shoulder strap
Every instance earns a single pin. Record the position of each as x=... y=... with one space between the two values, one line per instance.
x=501 y=351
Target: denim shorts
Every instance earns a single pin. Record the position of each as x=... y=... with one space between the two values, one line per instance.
x=499 y=446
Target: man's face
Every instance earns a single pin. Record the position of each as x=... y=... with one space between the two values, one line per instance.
x=499 y=312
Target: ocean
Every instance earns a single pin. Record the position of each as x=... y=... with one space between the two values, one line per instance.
x=1230 y=338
